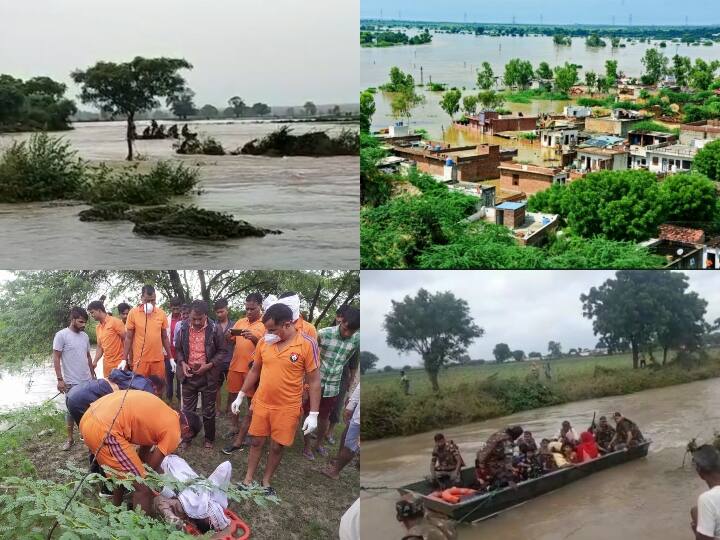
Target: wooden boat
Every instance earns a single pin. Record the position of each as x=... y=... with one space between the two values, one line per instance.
x=484 y=505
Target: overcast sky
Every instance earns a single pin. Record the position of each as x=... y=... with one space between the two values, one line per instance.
x=524 y=309
x=280 y=52
x=698 y=12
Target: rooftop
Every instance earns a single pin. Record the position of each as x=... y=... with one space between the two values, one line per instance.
x=602 y=151
x=510 y=205
x=683 y=235
x=603 y=141
x=675 y=150
x=515 y=166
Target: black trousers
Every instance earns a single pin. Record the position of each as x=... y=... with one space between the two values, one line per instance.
x=194 y=386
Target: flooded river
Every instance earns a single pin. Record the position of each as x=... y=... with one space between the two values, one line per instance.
x=454 y=59
x=313 y=201
x=644 y=499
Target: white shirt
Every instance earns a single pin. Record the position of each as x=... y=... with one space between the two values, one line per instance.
x=350 y=523
x=354 y=405
x=708 y=520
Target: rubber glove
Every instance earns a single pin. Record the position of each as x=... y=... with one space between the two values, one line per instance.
x=122 y=365
x=173 y=365
x=310 y=423
x=235 y=407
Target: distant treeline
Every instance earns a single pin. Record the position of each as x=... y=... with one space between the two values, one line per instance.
x=390 y=38
x=35 y=104
x=686 y=34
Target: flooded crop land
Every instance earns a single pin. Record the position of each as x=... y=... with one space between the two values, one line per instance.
x=313 y=201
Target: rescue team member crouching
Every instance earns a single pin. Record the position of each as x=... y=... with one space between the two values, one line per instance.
x=422 y=524
x=282 y=359
x=146 y=338
x=199 y=351
x=142 y=419
x=110 y=333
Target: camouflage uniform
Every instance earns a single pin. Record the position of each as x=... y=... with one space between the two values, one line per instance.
x=433 y=527
x=496 y=458
x=603 y=436
x=445 y=461
x=626 y=426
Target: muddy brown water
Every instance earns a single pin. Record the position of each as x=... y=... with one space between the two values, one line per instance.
x=314 y=201
x=647 y=498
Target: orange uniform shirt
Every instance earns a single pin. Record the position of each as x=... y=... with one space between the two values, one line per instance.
x=244 y=348
x=144 y=419
x=109 y=334
x=283 y=370
x=148 y=340
x=305 y=327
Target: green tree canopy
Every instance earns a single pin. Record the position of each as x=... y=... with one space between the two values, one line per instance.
x=182 y=105
x=368 y=360
x=681 y=69
x=260 y=109
x=437 y=326
x=636 y=307
x=485 y=77
x=518 y=355
x=450 y=102
x=555 y=349
x=544 y=71
x=565 y=77
x=534 y=354
x=238 y=106
x=691 y=199
x=518 y=73
x=367 y=110
x=131 y=87
x=656 y=65
x=469 y=104
x=611 y=72
x=590 y=79
x=491 y=99
x=702 y=74
x=310 y=108
x=502 y=352
x=209 y=111
x=707 y=160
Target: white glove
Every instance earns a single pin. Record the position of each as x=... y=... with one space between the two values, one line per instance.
x=122 y=365
x=235 y=407
x=310 y=423
x=173 y=365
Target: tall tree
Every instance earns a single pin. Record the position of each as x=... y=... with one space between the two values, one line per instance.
x=555 y=349
x=450 y=102
x=469 y=104
x=565 y=77
x=502 y=352
x=611 y=72
x=367 y=110
x=132 y=87
x=367 y=361
x=636 y=306
x=518 y=73
x=260 y=109
x=238 y=106
x=590 y=79
x=702 y=73
x=681 y=69
x=182 y=105
x=518 y=355
x=485 y=77
x=208 y=111
x=310 y=108
x=543 y=71
x=656 y=64
x=437 y=326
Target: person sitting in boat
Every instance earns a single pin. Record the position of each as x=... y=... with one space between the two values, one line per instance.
x=604 y=435
x=587 y=449
x=421 y=523
x=627 y=433
x=568 y=434
x=146 y=132
x=528 y=466
x=556 y=451
x=545 y=457
x=568 y=452
x=160 y=133
x=527 y=443
x=153 y=127
x=705 y=517
x=173 y=131
x=446 y=463
x=496 y=456
x=482 y=477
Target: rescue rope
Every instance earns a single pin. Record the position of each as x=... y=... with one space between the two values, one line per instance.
x=18 y=422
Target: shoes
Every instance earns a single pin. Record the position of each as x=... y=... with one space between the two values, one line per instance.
x=229 y=449
x=67 y=445
x=330 y=439
x=270 y=491
x=309 y=455
x=322 y=451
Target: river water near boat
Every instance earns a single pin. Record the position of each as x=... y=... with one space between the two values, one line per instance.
x=645 y=499
x=313 y=201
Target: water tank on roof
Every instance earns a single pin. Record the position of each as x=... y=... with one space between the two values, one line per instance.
x=437 y=148
x=449 y=162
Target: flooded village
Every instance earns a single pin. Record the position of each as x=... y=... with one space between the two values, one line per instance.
x=515 y=119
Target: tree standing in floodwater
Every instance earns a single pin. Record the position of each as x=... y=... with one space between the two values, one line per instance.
x=131 y=87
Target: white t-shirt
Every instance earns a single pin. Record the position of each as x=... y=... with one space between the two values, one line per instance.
x=350 y=523
x=74 y=348
x=708 y=521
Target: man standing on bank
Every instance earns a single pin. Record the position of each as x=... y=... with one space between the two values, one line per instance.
x=199 y=349
x=282 y=359
x=146 y=339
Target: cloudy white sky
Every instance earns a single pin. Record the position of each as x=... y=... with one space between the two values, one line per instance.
x=280 y=52
x=524 y=309
x=648 y=12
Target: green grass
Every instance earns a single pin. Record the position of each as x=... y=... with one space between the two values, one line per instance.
x=474 y=393
x=526 y=96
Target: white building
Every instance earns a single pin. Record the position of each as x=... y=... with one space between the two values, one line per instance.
x=670 y=158
x=576 y=111
x=558 y=136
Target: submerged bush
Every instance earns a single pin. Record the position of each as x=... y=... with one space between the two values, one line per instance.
x=315 y=143
x=130 y=185
x=40 y=169
x=208 y=146
x=111 y=211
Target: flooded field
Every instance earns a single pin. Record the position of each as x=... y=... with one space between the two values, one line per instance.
x=644 y=499
x=313 y=201
x=455 y=59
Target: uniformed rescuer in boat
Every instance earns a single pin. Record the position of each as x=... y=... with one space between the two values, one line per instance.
x=604 y=435
x=422 y=524
x=627 y=433
x=496 y=456
x=446 y=463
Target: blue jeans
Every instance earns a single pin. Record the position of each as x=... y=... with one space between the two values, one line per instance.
x=352 y=439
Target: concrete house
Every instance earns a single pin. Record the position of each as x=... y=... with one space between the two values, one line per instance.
x=619 y=123
x=670 y=158
x=640 y=141
x=491 y=122
x=529 y=178
x=460 y=163
x=702 y=130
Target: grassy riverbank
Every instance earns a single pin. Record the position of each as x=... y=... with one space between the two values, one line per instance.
x=475 y=393
x=310 y=507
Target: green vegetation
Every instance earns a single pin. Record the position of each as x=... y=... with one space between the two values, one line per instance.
x=629 y=205
x=35 y=104
x=565 y=77
x=469 y=104
x=450 y=102
x=282 y=142
x=392 y=39
x=207 y=145
x=475 y=393
x=518 y=73
x=562 y=39
x=649 y=125
x=182 y=104
x=403 y=87
x=485 y=77
x=436 y=87
x=133 y=186
x=593 y=40
x=40 y=169
x=526 y=96
x=707 y=160
x=656 y=65
x=367 y=110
